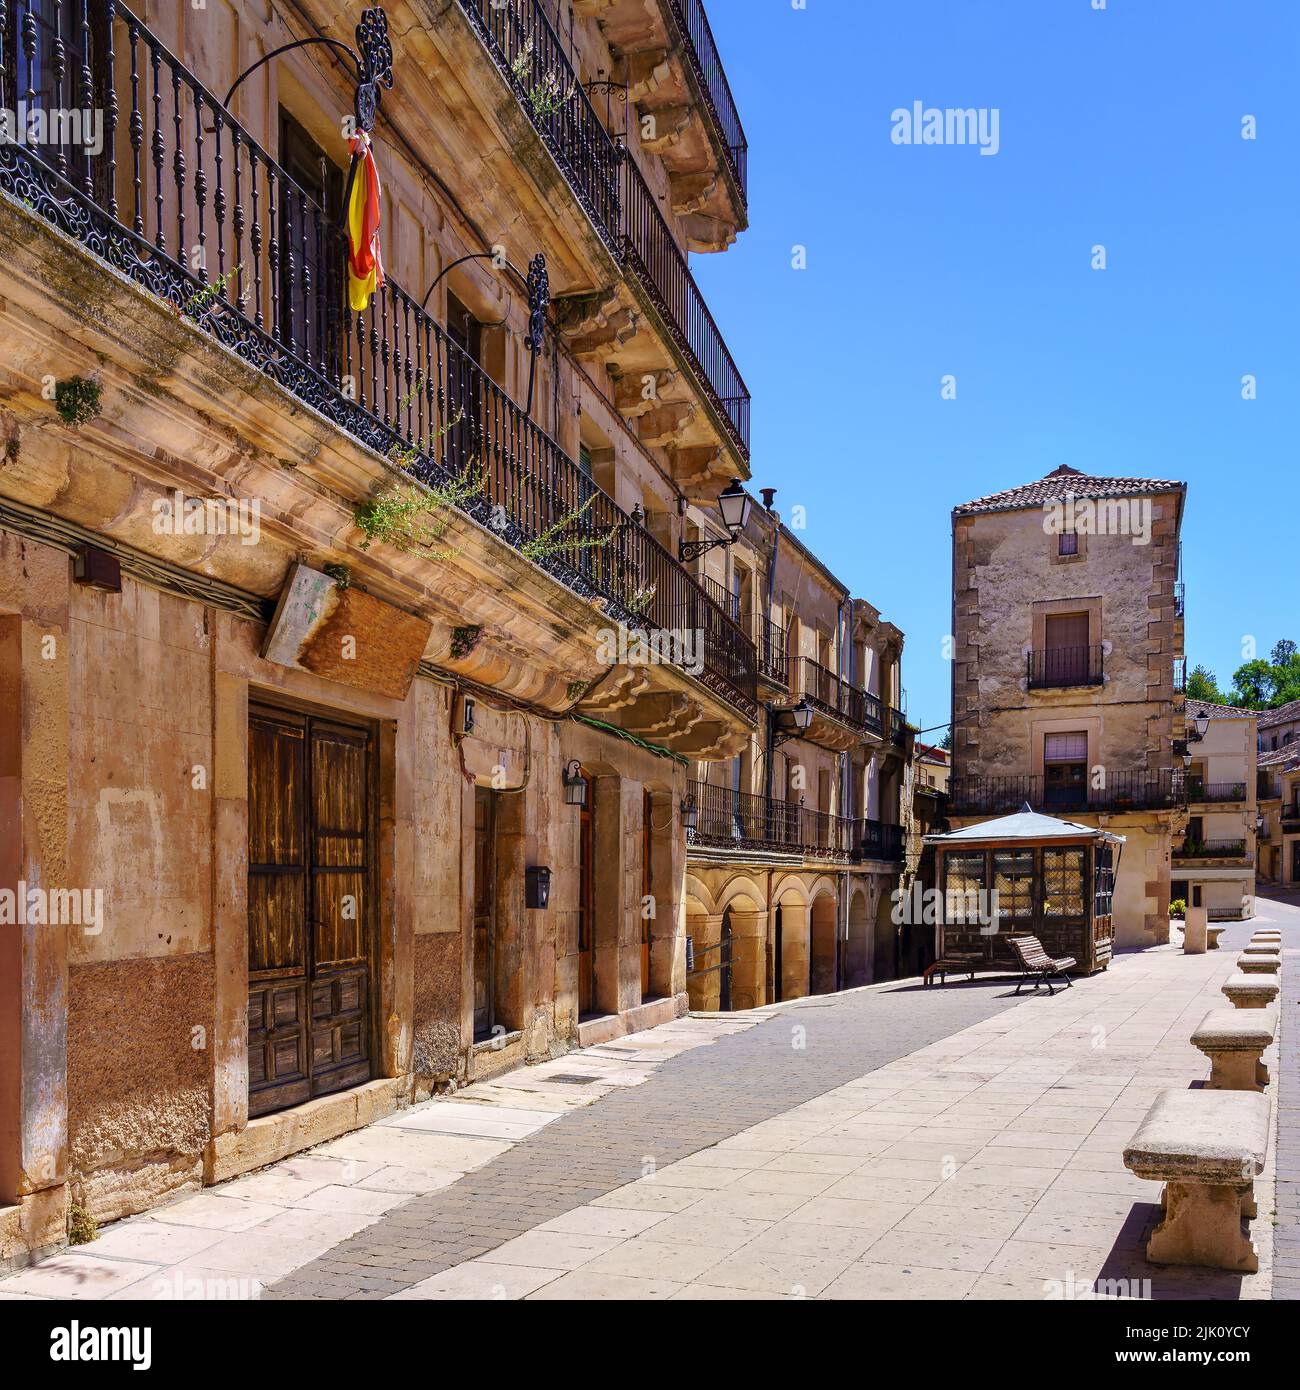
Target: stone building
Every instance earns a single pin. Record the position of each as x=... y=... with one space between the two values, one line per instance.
x=796 y=843
x=1067 y=669
x=1214 y=866
x=328 y=772
x=1278 y=791
x=925 y=811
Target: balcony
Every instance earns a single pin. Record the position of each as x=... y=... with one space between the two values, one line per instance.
x=650 y=252
x=897 y=728
x=842 y=713
x=702 y=54
x=1291 y=820
x=1213 y=849
x=1059 y=667
x=773 y=666
x=744 y=823
x=1200 y=793
x=1121 y=791
x=271 y=291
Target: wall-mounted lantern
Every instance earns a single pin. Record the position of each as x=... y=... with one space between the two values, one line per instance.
x=537 y=886
x=575 y=785
x=792 y=723
x=1202 y=723
x=690 y=814
x=734 y=504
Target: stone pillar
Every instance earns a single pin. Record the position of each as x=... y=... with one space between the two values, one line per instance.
x=34 y=674
x=1194 y=933
x=795 y=950
x=748 y=959
x=705 y=931
x=615 y=919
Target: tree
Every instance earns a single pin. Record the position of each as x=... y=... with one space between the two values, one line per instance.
x=1202 y=684
x=1283 y=653
x=947 y=741
x=1252 y=685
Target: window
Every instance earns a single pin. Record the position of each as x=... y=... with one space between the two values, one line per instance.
x=1104 y=888
x=1063 y=875
x=1065 y=644
x=1067 y=543
x=964 y=883
x=1013 y=881
x=1065 y=770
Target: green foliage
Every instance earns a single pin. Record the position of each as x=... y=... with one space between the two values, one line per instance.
x=1261 y=684
x=415 y=518
x=76 y=400
x=558 y=537
x=340 y=574
x=464 y=640
x=1178 y=908
x=946 y=742
x=1203 y=685
x=549 y=94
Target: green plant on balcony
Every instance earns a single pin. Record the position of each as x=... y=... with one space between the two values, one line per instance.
x=415 y=518
x=548 y=95
x=558 y=538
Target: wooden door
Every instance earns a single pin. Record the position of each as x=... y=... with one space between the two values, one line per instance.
x=586 y=903
x=647 y=893
x=484 y=912
x=310 y=850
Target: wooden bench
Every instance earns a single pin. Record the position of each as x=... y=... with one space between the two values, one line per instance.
x=1037 y=965
x=1251 y=991
x=1207 y=1148
x=1269 y=963
x=1234 y=1040
x=963 y=965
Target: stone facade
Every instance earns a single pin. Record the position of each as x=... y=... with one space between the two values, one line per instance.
x=182 y=343
x=1067 y=652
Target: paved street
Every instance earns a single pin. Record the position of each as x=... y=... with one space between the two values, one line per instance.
x=890 y=1142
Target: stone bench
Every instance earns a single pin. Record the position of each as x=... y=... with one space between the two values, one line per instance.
x=1269 y=964
x=1207 y=1148
x=1234 y=1040
x=1212 y=934
x=1264 y=938
x=1260 y=948
x=1250 y=991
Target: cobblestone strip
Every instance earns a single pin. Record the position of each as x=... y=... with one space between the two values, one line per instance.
x=693 y=1101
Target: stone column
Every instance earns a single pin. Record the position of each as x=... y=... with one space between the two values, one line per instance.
x=748 y=959
x=1194 y=932
x=795 y=950
x=34 y=674
x=705 y=931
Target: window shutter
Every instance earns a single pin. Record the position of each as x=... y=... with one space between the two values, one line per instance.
x=1065 y=748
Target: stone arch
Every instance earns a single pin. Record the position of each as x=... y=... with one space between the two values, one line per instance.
x=884 y=940
x=791 y=944
x=857 y=946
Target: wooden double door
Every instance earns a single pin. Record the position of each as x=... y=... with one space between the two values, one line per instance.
x=310 y=936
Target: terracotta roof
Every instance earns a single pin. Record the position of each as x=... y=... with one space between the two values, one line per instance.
x=1281 y=715
x=1203 y=709
x=1286 y=758
x=1062 y=480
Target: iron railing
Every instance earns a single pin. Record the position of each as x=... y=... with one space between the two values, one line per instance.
x=722 y=596
x=1202 y=793
x=833 y=695
x=702 y=52
x=1290 y=816
x=741 y=821
x=1117 y=790
x=532 y=58
x=897 y=727
x=652 y=253
x=772 y=662
x=185 y=202
x=1211 y=849
x=1055 y=667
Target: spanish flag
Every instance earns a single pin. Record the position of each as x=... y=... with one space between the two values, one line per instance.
x=365 y=272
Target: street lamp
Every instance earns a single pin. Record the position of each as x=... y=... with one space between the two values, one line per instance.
x=690 y=814
x=1202 y=723
x=734 y=504
x=575 y=785
x=792 y=723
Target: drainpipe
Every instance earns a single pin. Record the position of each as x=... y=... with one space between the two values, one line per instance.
x=769 y=755
x=849 y=672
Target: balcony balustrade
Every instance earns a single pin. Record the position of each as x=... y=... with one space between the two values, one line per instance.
x=702 y=53
x=1203 y=793
x=741 y=821
x=176 y=170
x=1211 y=849
x=773 y=665
x=834 y=696
x=1057 y=667
x=1120 y=790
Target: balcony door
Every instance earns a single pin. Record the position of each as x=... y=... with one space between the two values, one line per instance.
x=586 y=901
x=312 y=254
x=485 y=1013
x=647 y=890
x=1065 y=771
x=1065 y=654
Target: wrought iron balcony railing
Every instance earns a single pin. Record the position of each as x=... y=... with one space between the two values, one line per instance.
x=1211 y=849
x=1202 y=793
x=897 y=727
x=702 y=52
x=740 y=821
x=1056 y=667
x=177 y=171
x=533 y=60
x=1290 y=818
x=772 y=662
x=1118 y=790
x=833 y=695
x=651 y=252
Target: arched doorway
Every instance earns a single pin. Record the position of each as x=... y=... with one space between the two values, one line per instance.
x=885 y=942
x=586 y=900
x=857 y=962
x=823 y=965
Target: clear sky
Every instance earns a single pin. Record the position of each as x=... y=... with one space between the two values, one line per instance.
x=1120 y=127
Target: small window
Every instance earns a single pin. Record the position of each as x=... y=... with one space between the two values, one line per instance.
x=963 y=886
x=1063 y=874
x=1013 y=881
x=1067 y=543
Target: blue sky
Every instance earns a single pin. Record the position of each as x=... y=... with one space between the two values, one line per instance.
x=1119 y=126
